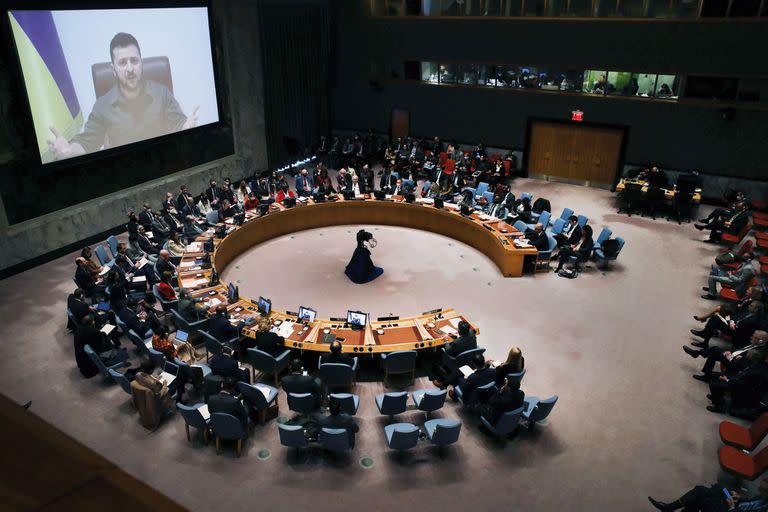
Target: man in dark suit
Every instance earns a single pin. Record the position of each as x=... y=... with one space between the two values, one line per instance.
x=213 y=194
x=337 y=356
x=508 y=398
x=140 y=238
x=732 y=225
x=224 y=365
x=77 y=305
x=539 y=238
x=343 y=180
x=468 y=386
x=219 y=326
x=304 y=184
x=299 y=383
x=164 y=263
x=85 y=280
x=181 y=199
x=465 y=341
x=147 y=217
x=226 y=402
x=337 y=419
x=571 y=235
x=139 y=324
x=746 y=387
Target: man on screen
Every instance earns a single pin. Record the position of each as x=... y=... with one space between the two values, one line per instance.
x=133 y=110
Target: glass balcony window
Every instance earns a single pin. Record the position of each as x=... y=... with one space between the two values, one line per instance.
x=429 y=72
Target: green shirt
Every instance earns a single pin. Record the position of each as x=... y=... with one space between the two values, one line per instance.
x=116 y=120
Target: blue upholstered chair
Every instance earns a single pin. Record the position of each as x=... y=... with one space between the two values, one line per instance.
x=121 y=325
x=112 y=242
x=429 y=400
x=256 y=398
x=337 y=375
x=482 y=393
x=557 y=227
x=194 y=418
x=401 y=361
x=102 y=256
x=390 y=404
x=488 y=197
x=520 y=226
x=349 y=402
x=464 y=358
x=506 y=424
x=543 y=220
x=474 y=192
x=442 y=432
x=401 y=436
x=605 y=234
x=195 y=373
x=190 y=327
x=600 y=255
x=302 y=403
x=143 y=345
x=537 y=410
x=212 y=217
x=121 y=379
x=267 y=363
x=544 y=257
x=515 y=378
x=567 y=212
x=334 y=440
x=73 y=324
x=482 y=187
x=103 y=368
x=227 y=427
x=582 y=220
x=212 y=345
x=292 y=436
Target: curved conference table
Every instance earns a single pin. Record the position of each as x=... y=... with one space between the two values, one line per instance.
x=495 y=238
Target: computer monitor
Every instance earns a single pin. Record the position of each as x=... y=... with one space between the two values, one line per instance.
x=231 y=291
x=307 y=314
x=265 y=306
x=357 y=319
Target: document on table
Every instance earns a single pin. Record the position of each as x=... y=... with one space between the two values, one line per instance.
x=142 y=262
x=168 y=378
x=454 y=322
x=519 y=242
x=449 y=330
x=138 y=279
x=466 y=370
x=285 y=329
x=194 y=247
x=108 y=328
x=264 y=390
x=185 y=264
x=214 y=302
x=484 y=216
x=198 y=282
x=204 y=412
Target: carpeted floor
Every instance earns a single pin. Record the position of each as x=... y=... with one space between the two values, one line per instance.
x=630 y=421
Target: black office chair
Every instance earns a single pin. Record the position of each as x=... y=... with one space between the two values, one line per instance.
x=157 y=69
x=631 y=198
x=654 y=201
x=682 y=206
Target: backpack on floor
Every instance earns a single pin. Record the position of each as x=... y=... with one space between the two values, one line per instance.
x=570 y=273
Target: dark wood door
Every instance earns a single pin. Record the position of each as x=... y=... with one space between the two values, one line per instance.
x=575 y=152
x=401 y=121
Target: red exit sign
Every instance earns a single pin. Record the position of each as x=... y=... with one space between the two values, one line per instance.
x=577 y=115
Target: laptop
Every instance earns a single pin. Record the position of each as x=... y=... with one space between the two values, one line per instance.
x=102 y=306
x=181 y=335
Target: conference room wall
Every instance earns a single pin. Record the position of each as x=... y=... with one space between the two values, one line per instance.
x=240 y=80
x=371 y=52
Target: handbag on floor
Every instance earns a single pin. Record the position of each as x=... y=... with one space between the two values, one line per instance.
x=570 y=273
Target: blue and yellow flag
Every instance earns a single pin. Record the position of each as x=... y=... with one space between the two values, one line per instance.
x=50 y=89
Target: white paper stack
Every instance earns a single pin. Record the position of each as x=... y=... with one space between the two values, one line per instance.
x=108 y=328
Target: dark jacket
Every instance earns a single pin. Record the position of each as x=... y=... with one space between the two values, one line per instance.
x=228 y=404
x=461 y=344
x=480 y=377
x=337 y=358
x=220 y=328
x=503 y=402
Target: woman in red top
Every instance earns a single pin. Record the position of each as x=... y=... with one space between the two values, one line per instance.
x=251 y=202
x=284 y=192
x=161 y=343
x=165 y=289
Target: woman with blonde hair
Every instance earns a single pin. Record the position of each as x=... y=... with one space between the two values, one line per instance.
x=515 y=363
